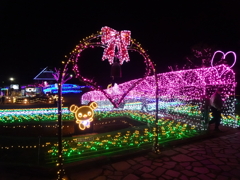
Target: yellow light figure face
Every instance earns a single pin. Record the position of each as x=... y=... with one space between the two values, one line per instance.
x=84 y=114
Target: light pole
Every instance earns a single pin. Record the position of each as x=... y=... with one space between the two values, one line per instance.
x=60 y=149
x=10 y=90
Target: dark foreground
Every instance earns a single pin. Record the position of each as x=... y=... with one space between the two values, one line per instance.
x=212 y=156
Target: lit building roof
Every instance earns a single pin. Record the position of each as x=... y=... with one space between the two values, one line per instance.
x=45 y=74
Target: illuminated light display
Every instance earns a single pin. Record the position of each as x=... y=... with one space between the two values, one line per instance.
x=4 y=112
x=65 y=76
x=180 y=94
x=187 y=87
x=114 y=39
x=126 y=139
x=66 y=88
x=79 y=148
x=16 y=116
x=180 y=103
x=223 y=57
x=110 y=38
x=93 y=145
x=66 y=91
x=84 y=114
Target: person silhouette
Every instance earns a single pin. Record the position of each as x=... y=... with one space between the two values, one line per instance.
x=216 y=104
x=3 y=99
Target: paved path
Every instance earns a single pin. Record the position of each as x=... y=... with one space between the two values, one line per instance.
x=216 y=158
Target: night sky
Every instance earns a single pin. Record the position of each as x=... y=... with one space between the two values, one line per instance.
x=36 y=34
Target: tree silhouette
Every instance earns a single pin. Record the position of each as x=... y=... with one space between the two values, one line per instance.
x=65 y=77
x=201 y=56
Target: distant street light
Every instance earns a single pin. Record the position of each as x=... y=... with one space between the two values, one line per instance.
x=11 y=79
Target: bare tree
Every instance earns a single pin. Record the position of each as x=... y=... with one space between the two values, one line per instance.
x=201 y=56
x=65 y=77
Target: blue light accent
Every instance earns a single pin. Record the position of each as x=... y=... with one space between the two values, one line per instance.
x=4 y=88
x=66 y=91
x=66 y=88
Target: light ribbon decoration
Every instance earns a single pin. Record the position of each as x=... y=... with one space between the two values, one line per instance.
x=224 y=56
x=115 y=39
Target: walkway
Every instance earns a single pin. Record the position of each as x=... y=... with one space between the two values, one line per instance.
x=217 y=158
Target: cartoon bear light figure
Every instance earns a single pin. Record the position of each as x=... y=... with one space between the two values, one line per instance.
x=84 y=114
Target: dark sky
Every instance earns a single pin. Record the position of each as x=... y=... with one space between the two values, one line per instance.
x=36 y=34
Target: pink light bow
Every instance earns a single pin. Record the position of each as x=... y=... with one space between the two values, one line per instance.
x=115 y=39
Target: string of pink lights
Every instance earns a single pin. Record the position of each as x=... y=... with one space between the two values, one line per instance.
x=187 y=87
x=178 y=83
x=114 y=39
x=110 y=39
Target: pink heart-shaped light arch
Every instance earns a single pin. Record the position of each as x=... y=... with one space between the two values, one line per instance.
x=90 y=42
x=224 y=56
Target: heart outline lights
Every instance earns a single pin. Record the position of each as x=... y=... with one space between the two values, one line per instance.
x=91 y=42
x=224 y=56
